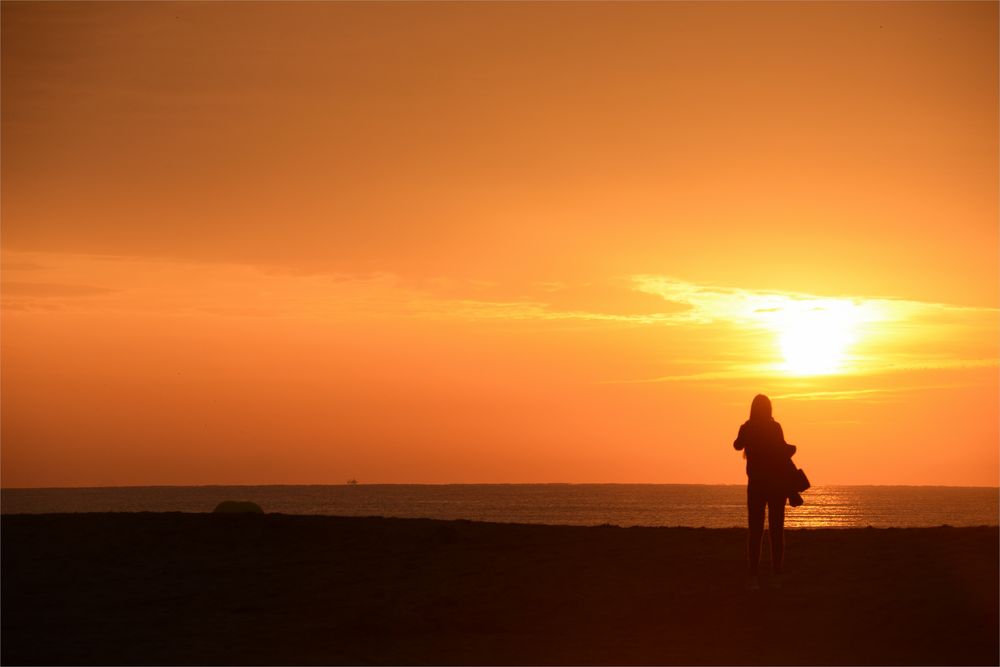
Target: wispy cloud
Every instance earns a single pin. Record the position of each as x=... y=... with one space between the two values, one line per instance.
x=696 y=332
x=710 y=303
x=879 y=334
x=852 y=394
x=51 y=289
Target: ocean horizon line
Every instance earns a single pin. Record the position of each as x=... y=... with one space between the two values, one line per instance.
x=440 y=484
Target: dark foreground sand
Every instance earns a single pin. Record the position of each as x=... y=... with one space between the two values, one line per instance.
x=276 y=589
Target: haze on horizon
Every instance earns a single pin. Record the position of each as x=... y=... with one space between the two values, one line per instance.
x=296 y=243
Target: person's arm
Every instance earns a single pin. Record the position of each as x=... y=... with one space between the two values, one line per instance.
x=739 y=444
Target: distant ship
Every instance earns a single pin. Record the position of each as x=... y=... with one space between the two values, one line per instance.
x=352 y=482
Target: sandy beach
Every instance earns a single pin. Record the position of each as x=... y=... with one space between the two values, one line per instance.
x=279 y=589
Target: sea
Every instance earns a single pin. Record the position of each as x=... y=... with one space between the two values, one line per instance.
x=693 y=505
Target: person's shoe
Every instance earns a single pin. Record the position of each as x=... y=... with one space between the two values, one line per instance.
x=753 y=583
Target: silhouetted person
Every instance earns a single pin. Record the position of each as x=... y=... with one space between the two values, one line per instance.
x=768 y=458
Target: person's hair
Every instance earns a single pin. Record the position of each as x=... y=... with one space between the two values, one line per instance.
x=760 y=408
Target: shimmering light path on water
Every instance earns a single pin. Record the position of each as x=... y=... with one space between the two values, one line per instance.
x=714 y=506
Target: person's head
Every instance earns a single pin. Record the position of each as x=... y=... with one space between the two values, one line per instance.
x=760 y=408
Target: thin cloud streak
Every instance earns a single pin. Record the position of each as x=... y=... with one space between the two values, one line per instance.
x=850 y=394
x=766 y=371
x=734 y=332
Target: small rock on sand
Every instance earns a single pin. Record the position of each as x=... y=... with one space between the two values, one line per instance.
x=237 y=507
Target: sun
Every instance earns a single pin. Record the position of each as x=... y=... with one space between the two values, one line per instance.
x=814 y=337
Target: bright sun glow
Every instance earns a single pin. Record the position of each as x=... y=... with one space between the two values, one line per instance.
x=814 y=336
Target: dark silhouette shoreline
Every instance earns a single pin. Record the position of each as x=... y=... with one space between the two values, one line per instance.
x=179 y=588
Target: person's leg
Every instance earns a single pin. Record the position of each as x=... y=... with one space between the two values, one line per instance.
x=755 y=512
x=776 y=529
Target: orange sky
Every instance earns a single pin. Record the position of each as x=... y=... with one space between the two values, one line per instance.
x=296 y=243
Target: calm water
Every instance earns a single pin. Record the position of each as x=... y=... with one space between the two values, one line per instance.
x=578 y=504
